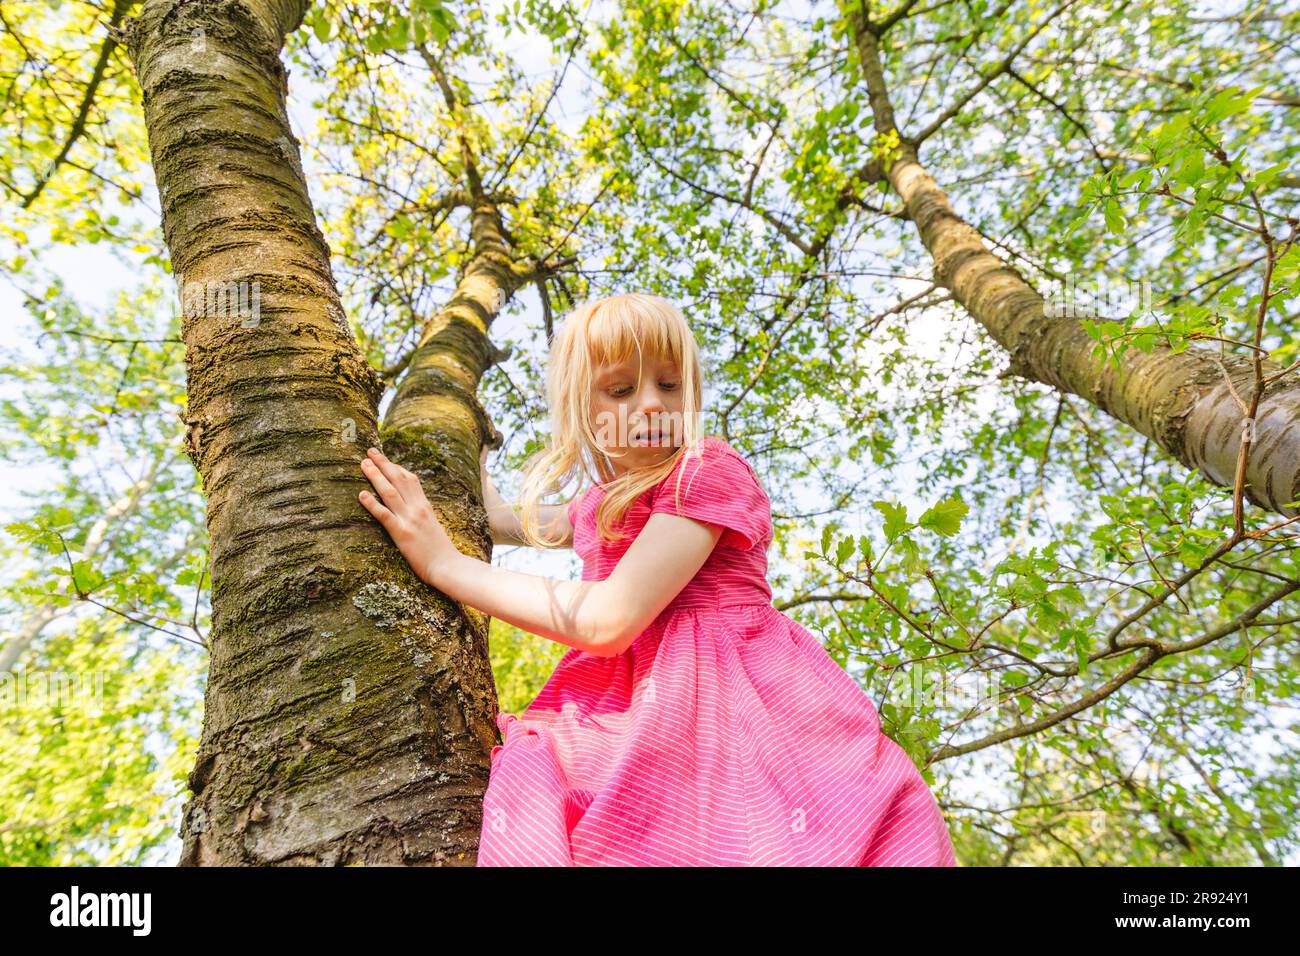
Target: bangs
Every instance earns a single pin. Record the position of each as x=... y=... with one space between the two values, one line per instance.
x=624 y=325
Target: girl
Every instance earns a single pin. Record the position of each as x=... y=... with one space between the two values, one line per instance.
x=690 y=723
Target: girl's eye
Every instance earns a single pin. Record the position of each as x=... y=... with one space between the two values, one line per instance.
x=622 y=391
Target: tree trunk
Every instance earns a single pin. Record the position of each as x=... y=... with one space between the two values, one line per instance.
x=1182 y=401
x=436 y=425
x=349 y=708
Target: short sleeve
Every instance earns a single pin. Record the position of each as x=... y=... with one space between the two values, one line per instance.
x=718 y=487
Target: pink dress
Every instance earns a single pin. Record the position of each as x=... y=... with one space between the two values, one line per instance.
x=725 y=735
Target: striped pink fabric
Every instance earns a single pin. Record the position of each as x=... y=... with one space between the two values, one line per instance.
x=725 y=735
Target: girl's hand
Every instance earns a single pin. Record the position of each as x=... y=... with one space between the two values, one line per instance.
x=407 y=516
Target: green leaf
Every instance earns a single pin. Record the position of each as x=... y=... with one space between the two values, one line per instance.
x=322 y=26
x=398 y=37
x=85 y=578
x=945 y=517
x=1288 y=266
x=400 y=227
x=1225 y=104
x=1114 y=217
x=441 y=24
x=911 y=555
x=895 y=518
x=1191 y=169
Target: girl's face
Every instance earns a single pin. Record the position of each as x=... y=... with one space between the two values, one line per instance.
x=640 y=420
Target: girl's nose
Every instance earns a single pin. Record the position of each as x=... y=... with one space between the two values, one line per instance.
x=653 y=399
x=650 y=407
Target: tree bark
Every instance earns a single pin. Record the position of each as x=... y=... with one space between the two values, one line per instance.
x=349 y=708
x=1181 y=401
x=435 y=425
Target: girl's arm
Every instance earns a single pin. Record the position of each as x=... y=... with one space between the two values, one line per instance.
x=599 y=617
x=504 y=522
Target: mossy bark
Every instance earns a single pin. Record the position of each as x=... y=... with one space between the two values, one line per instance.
x=349 y=708
x=1182 y=401
x=435 y=425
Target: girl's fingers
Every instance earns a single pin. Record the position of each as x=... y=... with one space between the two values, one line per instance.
x=392 y=472
x=371 y=504
x=387 y=490
x=410 y=480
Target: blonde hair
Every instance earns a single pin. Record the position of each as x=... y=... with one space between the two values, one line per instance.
x=603 y=332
